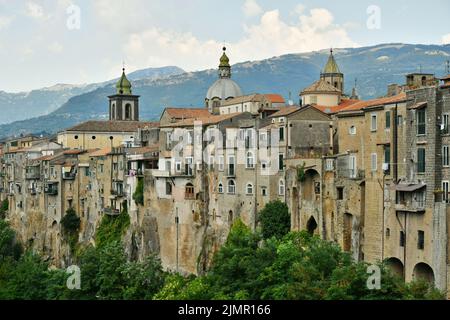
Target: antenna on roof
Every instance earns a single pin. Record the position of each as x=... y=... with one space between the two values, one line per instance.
x=290 y=102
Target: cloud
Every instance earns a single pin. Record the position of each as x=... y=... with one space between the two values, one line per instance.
x=299 y=9
x=55 y=47
x=35 y=11
x=270 y=36
x=446 y=39
x=251 y=8
x=5 y=22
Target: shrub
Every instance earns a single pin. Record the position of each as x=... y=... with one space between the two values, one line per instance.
x=275 y=220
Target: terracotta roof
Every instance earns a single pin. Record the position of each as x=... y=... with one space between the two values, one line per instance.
x=447 y=77
x=211 y=119
x=333 y=109
x=44 y=158
x=186 y=113
x=418 y=105
x=284 y=111
x=274 y=98
x=73 y=151
x=375 y=102
x=112 y=126
x=321 y=86
x=100 y=152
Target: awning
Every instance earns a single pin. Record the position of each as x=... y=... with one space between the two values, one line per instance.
x=418 y=105
x=409 y=187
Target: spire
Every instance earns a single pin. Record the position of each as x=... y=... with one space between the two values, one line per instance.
x=224 y=66
x=123 y=86
x=331 y=66
x=354 y=95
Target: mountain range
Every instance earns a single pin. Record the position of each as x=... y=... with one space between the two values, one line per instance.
x=374 y=68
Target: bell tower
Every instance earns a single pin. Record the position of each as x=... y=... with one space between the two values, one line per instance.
x=332 y=75
x=123 y=106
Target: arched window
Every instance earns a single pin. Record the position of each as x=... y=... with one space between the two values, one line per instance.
x=249 y=188
x=231 y=187
x=281 y=187
x=250 y=160
x=216 y=104
x=220 y=188
x=128 y=111
x=424 y=81
x=189 y=191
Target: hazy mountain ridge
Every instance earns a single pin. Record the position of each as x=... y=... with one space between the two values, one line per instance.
x=374 y=67
x=25 y=105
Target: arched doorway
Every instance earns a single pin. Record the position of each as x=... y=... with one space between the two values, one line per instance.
x=311 y=185
x=423 y=271
x=396 y=266
x=311 y=225
x=230 y=217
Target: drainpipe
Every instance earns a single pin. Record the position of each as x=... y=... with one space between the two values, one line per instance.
x=395 y=144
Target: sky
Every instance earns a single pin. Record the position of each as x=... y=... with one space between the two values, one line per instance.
x=45 y=42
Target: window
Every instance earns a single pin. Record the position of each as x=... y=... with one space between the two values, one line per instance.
x=445 y=190
x=190 y=134
x=221 y=163
x=281 y=187
x=189 y=191
x=445 y=124
x=178 y=166
x=352 y=130
x=250 y=160
x=169 y=140
x=168 y=188
x=399 y=120
x=231 y=166
x=352 y=166
x=387 y=157
x=313 y=99
x=317 y=187
x=220 y=188
x=281 y=162
x=263 y=191
x=373 y=122
x=329 y=165
x=388 y=232
x=402 y=239
x=421 y=121
x=86 y=171
x=249 y=188
x=420 y=239
x=188 y=168
x=231 y=187
x=445 y=154
x=281 y=132
x=373 y=161
x=421 y=160
x=340 y=193
x=263 y=165
x=388 y=119
x=128 y=111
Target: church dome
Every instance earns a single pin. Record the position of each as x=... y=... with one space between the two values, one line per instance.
x=223 y=89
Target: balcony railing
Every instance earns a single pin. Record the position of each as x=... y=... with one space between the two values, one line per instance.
x=51 y=189
x=118 y=193
x=32 y=175
x=69 y=175
x=111 y=211
x=414 y=206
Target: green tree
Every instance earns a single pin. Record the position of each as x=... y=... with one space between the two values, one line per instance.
x=143 y=279
x=8 y=245
x=110 y=277
x=275 y=220
x=138 y=195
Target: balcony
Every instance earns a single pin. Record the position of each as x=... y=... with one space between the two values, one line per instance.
x=51 y=189
x=32 y=173
x=410 y=206
x=69 y=175
x=111 y=211
x=117 y=193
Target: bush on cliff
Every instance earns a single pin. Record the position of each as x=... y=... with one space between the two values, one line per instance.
x=275 y=220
